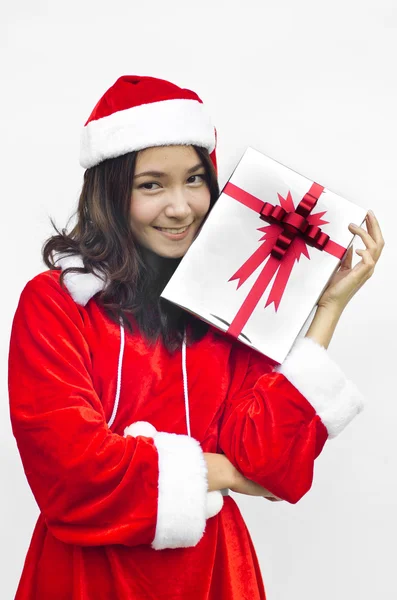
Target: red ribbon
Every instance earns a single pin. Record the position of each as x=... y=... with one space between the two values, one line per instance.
x=284 y=241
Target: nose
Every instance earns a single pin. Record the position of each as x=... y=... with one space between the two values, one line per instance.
x=178 y=205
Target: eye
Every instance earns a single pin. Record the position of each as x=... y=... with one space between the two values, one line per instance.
x=148 y=183
x=202 y=175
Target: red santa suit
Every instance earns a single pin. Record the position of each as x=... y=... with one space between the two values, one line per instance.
x=124 y=511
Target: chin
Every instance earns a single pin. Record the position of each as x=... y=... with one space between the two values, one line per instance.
x=175 y=254
x=164 y=250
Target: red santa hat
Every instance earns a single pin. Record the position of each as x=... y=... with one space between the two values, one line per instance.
x=138 y=112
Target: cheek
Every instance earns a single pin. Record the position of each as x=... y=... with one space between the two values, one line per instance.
x=144 y=211
x=141 y=213
x=202 y=203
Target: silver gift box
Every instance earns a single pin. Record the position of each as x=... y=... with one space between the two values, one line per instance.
x=284 y=274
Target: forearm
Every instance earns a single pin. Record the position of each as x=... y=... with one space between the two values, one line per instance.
x=223 y=474
x=323 y=325
x=220 y=471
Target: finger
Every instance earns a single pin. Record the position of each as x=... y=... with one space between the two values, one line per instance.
x=366 y=264
x=366 y=257
x=372 y=248
x=347 y=260
x=369 y=242
x=374 y=229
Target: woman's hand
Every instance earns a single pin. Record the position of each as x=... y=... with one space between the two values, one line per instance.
x=220 y=471
x=242 y=485
x=223 y=474
x=347 y=281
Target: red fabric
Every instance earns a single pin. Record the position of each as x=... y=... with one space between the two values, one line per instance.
x=129 y=91
x=97 y=490
x=134 y=90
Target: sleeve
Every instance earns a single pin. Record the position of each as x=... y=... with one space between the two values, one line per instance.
x=93 y=487
x=277 y=419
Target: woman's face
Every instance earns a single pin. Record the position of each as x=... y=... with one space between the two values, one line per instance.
x=175 y=196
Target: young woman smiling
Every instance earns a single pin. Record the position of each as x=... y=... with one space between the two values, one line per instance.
x=132 y=417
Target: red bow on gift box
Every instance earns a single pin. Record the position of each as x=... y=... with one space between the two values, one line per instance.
x=284 y=241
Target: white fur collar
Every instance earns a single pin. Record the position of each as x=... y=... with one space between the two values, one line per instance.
x=81 y=286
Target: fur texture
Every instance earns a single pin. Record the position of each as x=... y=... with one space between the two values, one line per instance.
x=320 y=380
x=177 y=121
x=182 y=501
x=214 y=499
x=81 y=286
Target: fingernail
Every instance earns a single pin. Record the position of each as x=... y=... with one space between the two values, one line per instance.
x=371 y=212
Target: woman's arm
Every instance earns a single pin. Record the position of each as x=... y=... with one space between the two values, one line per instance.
x=277 y=421
x=346 y=282
x=323 y=326
x=93 y=487
x=223 y=474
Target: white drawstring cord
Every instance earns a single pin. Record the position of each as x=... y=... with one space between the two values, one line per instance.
x=185 y=385
x=119 y=370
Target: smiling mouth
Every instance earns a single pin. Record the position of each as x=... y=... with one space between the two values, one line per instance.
x=174 y=230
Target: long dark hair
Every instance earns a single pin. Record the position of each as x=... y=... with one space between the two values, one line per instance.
x=103 y=237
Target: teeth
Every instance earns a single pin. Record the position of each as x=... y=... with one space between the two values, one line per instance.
x=173 y=230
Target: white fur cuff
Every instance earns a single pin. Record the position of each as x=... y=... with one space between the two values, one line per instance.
x=321 y=381
x=182 y=492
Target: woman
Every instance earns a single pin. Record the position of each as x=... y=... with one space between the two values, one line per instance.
x=132 y=417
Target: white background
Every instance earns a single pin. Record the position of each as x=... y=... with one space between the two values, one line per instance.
x=309 y=83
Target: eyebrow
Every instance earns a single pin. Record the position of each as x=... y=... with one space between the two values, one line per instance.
x=161 y=174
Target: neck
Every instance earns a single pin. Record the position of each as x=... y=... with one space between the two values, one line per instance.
x=161 y=268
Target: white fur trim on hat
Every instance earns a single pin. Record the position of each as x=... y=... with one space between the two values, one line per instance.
x=321 y=381
x=81 y=286
x=162 y=123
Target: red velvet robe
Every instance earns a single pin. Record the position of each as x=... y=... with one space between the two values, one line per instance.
x=122 y=516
